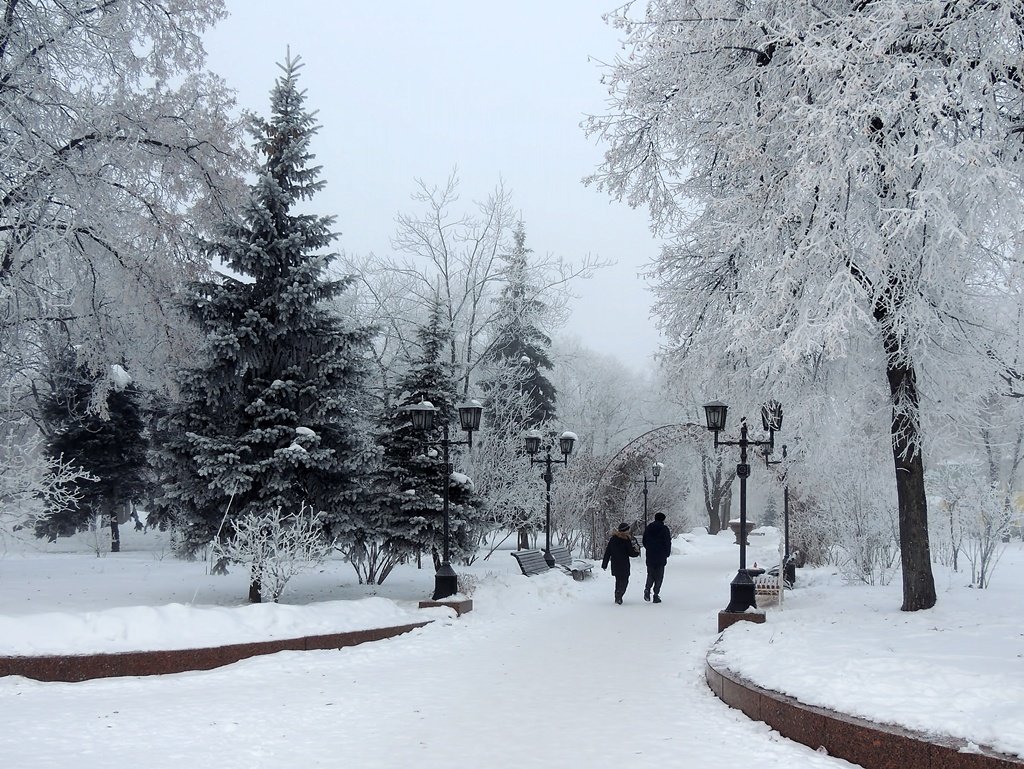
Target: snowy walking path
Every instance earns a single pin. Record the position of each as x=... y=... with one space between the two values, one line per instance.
x=543 y=673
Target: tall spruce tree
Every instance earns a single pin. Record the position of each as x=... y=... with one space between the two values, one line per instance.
x=99 y=426
x=271 y=418
x=518 y=343
x=409 y=500
x=518 y=396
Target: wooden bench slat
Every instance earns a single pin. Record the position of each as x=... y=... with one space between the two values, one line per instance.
x=564 y=558
x=766 y=584
x=531 y=562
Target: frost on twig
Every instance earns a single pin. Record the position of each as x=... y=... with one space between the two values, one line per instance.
x=32 y=484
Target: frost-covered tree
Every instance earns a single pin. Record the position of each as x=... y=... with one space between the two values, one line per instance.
x=272 y=416
x=457 y=252
x=106 y=440
x=601 y=399
x=408 y=502
x=117 y=152
x=838 y=179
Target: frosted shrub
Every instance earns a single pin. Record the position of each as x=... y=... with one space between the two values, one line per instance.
x=32 y=483
x=949 y=483
x=372 y=560
x=276 y=547
x=988 y=526
x=976 y=517
x=869 y=551
x=858 y=529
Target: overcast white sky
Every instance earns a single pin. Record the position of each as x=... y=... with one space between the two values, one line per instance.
x=408 y=89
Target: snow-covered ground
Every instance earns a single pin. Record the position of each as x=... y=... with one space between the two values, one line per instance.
x=544 y=670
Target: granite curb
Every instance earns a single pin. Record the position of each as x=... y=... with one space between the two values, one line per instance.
x=871 y=745
x=84 y=667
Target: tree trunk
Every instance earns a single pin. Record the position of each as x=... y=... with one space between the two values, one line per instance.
x=115 y=531
x=255 y=586
x=524 y=539
x=712 y=492
x=713 y=522
x=915 y=554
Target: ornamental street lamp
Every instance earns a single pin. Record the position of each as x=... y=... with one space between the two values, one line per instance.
x=565 y=443
x=655 y=471
x=446 y=581
x=741 y=593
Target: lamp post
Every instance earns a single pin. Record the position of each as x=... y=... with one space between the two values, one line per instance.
x=741 y=594
x=788 y=569
x=655 y=471
x=446 y=581
x=565 y=443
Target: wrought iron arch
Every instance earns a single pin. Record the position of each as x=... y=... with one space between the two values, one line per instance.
x=609 y=490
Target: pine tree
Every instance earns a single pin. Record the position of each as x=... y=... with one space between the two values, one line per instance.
x=410 y=488
x=106 y=439
x=272 y=416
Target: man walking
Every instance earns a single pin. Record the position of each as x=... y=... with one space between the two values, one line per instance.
x=658 y=544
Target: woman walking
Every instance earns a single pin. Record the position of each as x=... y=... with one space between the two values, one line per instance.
x=621 y=547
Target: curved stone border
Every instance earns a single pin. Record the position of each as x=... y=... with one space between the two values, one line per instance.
x=871 y=745
x=82 y=667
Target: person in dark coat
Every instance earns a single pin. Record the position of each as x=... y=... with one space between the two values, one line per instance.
x=621 y=547
x=658 y=544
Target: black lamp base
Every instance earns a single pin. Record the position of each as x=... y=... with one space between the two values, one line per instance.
x=446 y=582
x=741 y=593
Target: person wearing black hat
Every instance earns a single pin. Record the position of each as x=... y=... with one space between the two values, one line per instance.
x=621 y=547
x=658 y=544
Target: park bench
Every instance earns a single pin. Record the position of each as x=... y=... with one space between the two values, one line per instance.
x=579 y=570
x=531 y=561
x=767 y=585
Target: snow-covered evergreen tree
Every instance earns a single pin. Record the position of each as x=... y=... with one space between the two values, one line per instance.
x=409 y=503
x=517 y=394
x=518 y=338
x=107 y=440
x=272 y=417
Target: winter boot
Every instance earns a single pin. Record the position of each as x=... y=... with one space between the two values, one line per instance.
x=656 y=599
x=647 y=595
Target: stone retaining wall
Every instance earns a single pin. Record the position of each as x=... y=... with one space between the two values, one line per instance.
x=873 y=746
x=87 y=666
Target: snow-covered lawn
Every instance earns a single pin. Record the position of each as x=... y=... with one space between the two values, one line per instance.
x=544 y=668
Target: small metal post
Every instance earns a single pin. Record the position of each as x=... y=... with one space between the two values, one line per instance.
x=548 y=477
x=645 y=501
